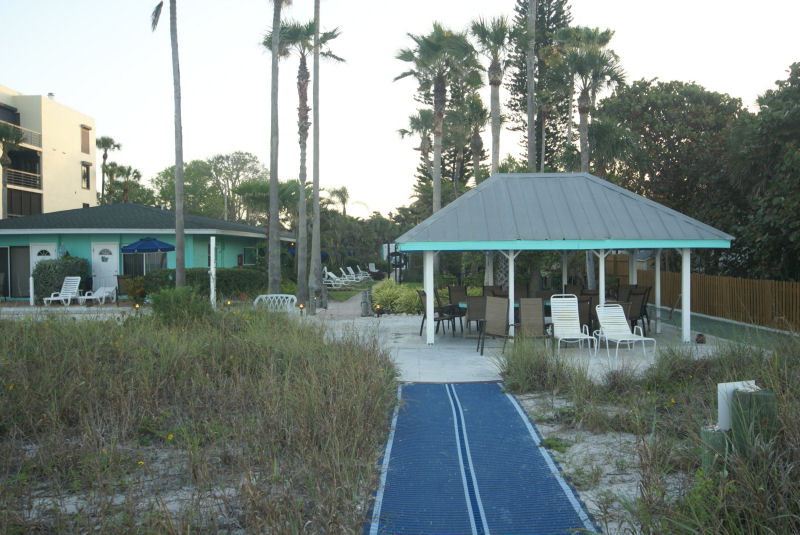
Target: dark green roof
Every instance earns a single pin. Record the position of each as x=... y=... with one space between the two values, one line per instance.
x=122 y=218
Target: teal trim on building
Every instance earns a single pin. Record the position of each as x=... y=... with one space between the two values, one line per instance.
x=563 y=245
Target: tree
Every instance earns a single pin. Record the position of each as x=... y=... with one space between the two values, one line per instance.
x=300 y=38
x=493 y=39
x=201 y=194
x=435 y=60
x=315 y=277
x=105 y=144
x=10 y=138
x=341 y=196
x=227 y=171
x=273 y=241
x=421 y=124
x=530 y=59
x=593 y=68
x=180 y=249
x=125 y=185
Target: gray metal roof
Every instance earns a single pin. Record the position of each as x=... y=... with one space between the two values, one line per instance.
x=557 y=211
x=125 y=218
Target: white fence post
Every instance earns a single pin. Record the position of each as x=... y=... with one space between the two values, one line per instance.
x=30 y=290
x=213 y=272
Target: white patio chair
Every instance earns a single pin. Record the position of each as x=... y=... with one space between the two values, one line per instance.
x=69 y=291
x=372 y=269
x=347 y=276
x=566 y=322
x=338 y=283
x=100 y=295
x=614 y=327
x=365 y=275
x=277 y=302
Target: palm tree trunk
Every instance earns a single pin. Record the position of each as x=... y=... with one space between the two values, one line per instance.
x=315 y=277
x=583 y=129
x=570 y=112
x=458 y=168
x=530 y=63
x=439 y=96
x=180 y=248
x=302 y=229
x=541 y=160
x=495 y=112
x=273 y=242
x=103 y=178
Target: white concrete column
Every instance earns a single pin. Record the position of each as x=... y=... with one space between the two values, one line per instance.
x=488 y=276
x=658 y=291
x=32 y=298
x=427 y=284
x=213 y=272
x=601 y=266
x=564 y=256
x=511 y=256
x=686 y=295
x=633 y=275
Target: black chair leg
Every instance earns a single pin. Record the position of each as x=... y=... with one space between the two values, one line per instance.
x=421 y=325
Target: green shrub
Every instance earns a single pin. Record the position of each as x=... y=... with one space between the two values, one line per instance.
x=177 y=306
x=396 y=298
x=231 y=282
x=48 y=275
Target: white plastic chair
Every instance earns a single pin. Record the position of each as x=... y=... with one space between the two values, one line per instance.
x=277 y=302
x=100 y=295
x=566 y=322
x=614 y=327
x=69 y=291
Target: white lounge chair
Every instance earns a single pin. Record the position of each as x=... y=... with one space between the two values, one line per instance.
x=337 y=283
x=277 y=302
x=69 y=291
x=100 y=295
x=614 y=327
x=566 y=322
x=359 y=277
x=348 y=277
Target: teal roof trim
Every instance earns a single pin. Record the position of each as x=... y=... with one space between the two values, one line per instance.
x=563 y=245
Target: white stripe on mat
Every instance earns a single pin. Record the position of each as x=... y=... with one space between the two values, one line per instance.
x=461 y=464
x=376 y=509
x=553 y=468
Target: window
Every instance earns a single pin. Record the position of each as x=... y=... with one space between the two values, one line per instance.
x=249 y=257
x=85 y=205
x=85 y=146
x=139 y=264
x=85 y=174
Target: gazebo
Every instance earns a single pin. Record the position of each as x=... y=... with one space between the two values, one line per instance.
x=510 y=213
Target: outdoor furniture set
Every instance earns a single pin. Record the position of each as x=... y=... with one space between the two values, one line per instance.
x=70 y=290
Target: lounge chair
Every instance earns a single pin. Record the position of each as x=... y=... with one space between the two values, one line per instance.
x=348 y=277
x=566 y=322
x=336 y=283
x=277 y=302
x=372 y=269
x=69 y=291
x=496 y=322
x=614 y=327
x=100 y=295
x=358 y=277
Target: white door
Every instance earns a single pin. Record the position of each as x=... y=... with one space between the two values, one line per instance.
x=42 y=251
x=105 y=264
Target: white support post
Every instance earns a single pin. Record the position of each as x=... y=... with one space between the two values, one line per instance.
x=686 y=295
x=32 y=298
x=427 y=284
x=601 y=266
x=633 y=275
x=564 y=256
x=658 y=291
x=511 y=256
x=488 y=276
x=213 y=272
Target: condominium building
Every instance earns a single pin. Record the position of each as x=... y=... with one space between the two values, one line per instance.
x=52 y=167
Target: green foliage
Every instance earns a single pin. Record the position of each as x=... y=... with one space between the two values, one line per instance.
x=230 y=281
x=179 y=306
x=397 y=298
x=48 y=275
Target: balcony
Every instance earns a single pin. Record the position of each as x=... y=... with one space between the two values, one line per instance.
x=29 y=137
x=21 y=178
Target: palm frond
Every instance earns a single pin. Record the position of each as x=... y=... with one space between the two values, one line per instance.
x=156 y=15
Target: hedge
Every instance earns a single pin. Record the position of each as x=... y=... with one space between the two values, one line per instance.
x=231 y=282
x=48 y=275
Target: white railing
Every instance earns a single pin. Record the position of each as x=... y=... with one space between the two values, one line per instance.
x=21 y=178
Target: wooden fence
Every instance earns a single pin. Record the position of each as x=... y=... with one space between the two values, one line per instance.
x=768 y=303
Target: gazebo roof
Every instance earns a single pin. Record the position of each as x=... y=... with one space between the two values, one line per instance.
x=556 y=211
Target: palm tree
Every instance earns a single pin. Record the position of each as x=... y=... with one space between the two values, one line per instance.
x=530 y=63
x=273 y=240
x=10 y=138
x=340 y=195
x=494 y=38
x=105 y=144
x=180 y=250
x=476 y=117
x=300 y=38
x=421 y=124
x=315 y=277
x=436 y=59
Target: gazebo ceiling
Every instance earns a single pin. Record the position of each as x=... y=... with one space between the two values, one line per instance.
x=556 y=211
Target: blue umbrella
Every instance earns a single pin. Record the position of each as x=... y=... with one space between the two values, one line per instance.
x=148 y=245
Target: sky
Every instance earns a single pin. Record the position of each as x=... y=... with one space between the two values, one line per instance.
x=102 y=59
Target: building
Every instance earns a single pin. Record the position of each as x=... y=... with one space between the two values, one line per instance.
x=99 y=233
x=53 y=168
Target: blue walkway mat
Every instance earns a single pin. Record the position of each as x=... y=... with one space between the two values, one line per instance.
x=465 y=458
